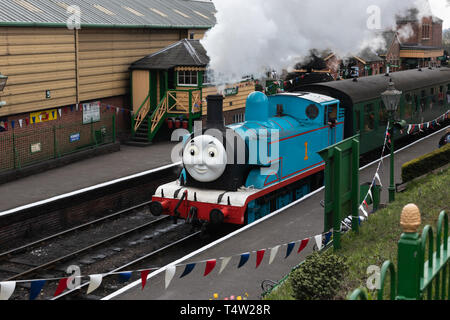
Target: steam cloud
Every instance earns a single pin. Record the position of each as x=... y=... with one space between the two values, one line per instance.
x=254 y=36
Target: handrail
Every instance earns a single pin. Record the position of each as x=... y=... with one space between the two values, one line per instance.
x=359 y=294
x=388 y=266
x=142 y=112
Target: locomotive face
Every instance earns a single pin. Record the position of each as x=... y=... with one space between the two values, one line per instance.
x=205 y=158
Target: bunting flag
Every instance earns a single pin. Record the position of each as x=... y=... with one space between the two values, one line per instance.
x=144 y=275
x=27 y=121
x=20 y=122
x=377 y=176
x=370 y=193
x=210 y=265
x=259 y=257
x=170 y=273
x=61 y=287
x=363 y=211
x=225 y=262
x=95 y=281
x=77 y=106
x=125 y=276
x=289 y=249
x=7 y=289
x=318 y=242
x=244 y=259
x=188 y=269
x=60 y=112
x=273 y=253
x=328 y=237
x=13 y=124
x=303 y=245
x=36 y=288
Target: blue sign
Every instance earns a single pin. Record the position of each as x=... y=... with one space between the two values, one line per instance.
x=75 y=137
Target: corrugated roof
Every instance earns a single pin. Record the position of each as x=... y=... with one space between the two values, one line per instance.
x=109 y=13
x=186 y=53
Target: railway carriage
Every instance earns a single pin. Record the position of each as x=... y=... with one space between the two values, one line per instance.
x=426 y=96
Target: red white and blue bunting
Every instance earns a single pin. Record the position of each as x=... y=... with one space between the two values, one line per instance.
x=320 y=241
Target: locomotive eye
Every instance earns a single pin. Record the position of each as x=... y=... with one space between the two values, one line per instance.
x=212 y=152
x=193 y=151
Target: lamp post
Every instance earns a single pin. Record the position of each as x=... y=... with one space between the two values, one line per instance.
x=391 y=98
x=3 y=80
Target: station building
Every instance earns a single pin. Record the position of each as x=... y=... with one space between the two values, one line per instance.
x=66 y=53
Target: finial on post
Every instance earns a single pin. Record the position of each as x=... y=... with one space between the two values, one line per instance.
x=410 y=219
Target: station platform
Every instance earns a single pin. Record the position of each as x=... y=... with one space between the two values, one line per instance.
x=82 y=174
x=300 y=221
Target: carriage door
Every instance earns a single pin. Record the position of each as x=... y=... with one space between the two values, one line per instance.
x=331 y=119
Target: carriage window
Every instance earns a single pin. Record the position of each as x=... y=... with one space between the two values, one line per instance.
x=383 y=115
x=408 y=106
x=357 y=121
x=369 y=118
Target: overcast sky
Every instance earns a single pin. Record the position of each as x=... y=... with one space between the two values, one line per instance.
x=441 y=8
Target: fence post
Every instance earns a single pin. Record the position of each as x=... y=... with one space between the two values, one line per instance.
x=409 y=255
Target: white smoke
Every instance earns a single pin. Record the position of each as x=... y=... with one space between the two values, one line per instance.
x=254 y=36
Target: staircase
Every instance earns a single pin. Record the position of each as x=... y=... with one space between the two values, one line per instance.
x=146 y=123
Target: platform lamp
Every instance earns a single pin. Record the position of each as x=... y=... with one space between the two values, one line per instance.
x=391 y=98
x=3 y=80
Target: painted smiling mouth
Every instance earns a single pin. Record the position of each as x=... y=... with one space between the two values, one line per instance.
x=201 y=171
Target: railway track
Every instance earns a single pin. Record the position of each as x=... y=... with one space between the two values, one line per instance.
x=97 y=246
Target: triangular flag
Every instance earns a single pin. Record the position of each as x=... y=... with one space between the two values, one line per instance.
x=125 y=276
x=244 y=259
x=170 y=273
x=188 y=269
x=117 y=110
x=225 y=262
x=210 y=265
x=377 y=176
x=59 y=111
x=363 y=211
x=409 y=129
x=95 y=281
x=303 y=245
x=27 y=121
x=370 y=195
x=327 y=237
x=71 y=108
x=20 y=122
x=144 y=275
x=7 y=289
x=259 y=257
x=40 y=117
x=13 y=124
x=36 y=288
x=318 y=242
x=273 y=253
x=76 y=106
x=61 y=287
x=290 y=247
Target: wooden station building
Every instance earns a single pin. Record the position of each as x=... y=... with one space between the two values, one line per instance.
x=60 y=53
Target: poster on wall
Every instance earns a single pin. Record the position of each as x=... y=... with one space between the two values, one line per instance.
x=3 y=124
x=91 y=112
x=43 y=116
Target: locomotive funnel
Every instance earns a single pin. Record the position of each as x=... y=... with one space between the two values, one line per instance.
x=215 y=118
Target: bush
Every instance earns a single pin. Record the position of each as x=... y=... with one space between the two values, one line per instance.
x=319 y=277
x=426 y=163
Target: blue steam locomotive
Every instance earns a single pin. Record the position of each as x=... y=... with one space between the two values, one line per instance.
x=240 y=173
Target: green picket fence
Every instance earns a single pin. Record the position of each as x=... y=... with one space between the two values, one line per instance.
x=423 y=270
x=21 y=148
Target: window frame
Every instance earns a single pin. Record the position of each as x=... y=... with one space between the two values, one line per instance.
x=184 y=77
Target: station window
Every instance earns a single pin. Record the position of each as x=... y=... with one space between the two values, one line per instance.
x=369 y=118
x=187 y=78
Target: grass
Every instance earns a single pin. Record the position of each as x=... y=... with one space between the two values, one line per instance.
x=378 y=238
